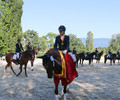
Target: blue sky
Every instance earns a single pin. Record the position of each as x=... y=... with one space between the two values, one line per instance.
x=101 y=17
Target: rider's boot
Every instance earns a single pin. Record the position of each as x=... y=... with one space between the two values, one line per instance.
x=17 y=61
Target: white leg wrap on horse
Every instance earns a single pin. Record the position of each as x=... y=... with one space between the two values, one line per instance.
x=31 y=68
x=65 y=97
x=62 y=90
x=23 y=66
x=56 y=97
x=68 y=86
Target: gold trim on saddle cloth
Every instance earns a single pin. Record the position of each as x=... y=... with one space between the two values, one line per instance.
x=63 y=72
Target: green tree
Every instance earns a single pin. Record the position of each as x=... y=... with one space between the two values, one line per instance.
x=31 y=36
x=50 y=38
x=76 y=42
x=10 y=24
x=43 y=43
x=89 y=42
x=114 y=43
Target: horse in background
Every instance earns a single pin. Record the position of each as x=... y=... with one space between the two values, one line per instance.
x=111 y=57
x=77 y=59
x=118 y=57
x=96 y=57
x=84 y=56
x=34 y=53
x=25 y=57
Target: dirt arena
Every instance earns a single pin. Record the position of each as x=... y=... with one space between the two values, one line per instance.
x=97 y=82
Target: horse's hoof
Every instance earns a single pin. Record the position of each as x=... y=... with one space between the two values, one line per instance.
x=26 y=75
x=32 y=70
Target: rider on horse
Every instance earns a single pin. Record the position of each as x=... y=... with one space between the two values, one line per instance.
x=109 y=54
x=29 y=47
x=74 y=50
x=118 y=52
x=19 y=50
x=62 y=42
x=96 y=51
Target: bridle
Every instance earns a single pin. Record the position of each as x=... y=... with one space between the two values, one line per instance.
x=54 y=60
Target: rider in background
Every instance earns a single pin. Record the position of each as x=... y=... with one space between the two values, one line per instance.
x=96 y=51
x=19 y=50
x=74 y=51
x=109 y=54
x=29 y=47
x=118 y=52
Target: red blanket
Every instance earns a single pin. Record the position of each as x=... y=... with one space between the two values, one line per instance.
x=70 y=71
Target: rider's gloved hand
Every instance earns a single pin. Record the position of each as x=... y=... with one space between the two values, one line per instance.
x=65 y=51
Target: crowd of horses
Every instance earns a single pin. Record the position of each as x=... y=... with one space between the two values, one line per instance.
x=96 y=56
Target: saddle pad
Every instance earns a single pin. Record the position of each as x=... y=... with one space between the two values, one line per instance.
x=14 y=56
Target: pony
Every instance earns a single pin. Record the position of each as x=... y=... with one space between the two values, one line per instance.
x=84 y=56
x=96 y=58
x=52 y=61
x=112 y=57
x=25 y=57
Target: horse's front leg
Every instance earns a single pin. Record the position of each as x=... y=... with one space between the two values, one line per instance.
x=32 y=64
x=56 y=92
x=65 y=87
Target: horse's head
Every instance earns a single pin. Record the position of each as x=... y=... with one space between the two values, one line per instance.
x=35 y=50
x=47 y=63
x=29 y=54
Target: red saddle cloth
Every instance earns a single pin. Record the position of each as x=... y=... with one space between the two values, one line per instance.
x=70 y=71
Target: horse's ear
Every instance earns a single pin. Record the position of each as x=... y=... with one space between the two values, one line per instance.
x=41 y=57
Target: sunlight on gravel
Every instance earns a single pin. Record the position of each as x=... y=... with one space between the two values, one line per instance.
x=97 y=82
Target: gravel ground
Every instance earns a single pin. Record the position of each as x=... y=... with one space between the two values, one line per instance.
x=97 y=82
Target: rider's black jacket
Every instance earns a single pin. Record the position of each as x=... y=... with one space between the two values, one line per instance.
x=62 y=45
x=19 y=48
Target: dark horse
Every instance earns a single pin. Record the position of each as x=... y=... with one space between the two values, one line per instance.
x=112 y=57
x=96 y=57
x=118 y=57
x=85 y=56
x=55 y=66
x=26 y=56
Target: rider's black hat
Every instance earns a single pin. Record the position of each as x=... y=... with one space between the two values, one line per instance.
x=62 y=28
